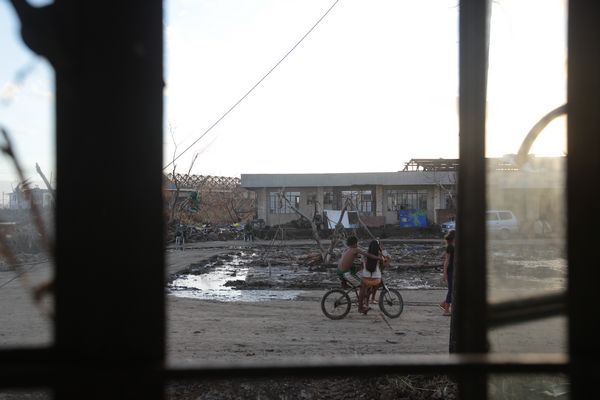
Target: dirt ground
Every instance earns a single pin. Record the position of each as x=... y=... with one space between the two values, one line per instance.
x=204 y=332
x=207 y=332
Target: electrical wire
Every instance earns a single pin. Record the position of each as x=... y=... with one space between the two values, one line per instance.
x=255 y=85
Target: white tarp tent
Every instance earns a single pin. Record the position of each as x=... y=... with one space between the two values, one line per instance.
x=350 y=219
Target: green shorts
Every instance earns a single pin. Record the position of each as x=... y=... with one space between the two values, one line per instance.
x=350 y=276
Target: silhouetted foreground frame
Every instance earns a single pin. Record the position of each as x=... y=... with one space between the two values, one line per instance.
x=110 y=309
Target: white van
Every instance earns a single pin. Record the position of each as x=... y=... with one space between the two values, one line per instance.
x=501 y=222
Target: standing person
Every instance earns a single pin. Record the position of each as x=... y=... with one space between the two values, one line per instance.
x=448 y=271
x=346 y=270
x=179 y=237
x=371 y=275
x=248 y=232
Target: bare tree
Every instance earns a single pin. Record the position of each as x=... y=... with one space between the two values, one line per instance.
x=235 y=204
x=221 y=199
x=174 y=202
x=324 y=254
x=174 y=177
x=313 y=226
x=336 y=233
x=360 y=221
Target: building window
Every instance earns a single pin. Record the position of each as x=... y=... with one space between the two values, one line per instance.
x=328 y=200
x=278 y=205
x=360 y=200
x=449 y=200
x=406 y=200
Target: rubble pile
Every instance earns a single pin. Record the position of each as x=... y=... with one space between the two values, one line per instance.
x=19 y=233
x=23 y=239
x=206 y=232
x=292 y=267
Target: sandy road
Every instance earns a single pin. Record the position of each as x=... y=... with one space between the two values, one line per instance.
x=208 y=330
x=205 y=330
x=22 y=323
x=202 y=331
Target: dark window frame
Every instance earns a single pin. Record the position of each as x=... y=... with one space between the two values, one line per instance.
x=124 y=350
x=329 y=199
x=362 y=200
x=280 y=206
x=399 y=199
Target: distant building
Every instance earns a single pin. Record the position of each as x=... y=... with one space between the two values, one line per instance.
x=423 y=193
x=214 y=199
x=379 y=197
x=20 y=199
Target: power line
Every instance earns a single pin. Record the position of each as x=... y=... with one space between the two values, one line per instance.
x=255 y=85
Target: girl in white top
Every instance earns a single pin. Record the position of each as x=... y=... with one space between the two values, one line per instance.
x=371 y=276
x=368 y=274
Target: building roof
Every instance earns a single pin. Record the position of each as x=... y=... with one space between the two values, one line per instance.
x=348 y=179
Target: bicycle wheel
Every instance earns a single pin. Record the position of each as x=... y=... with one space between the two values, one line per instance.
x=391 y=302
x=335 y=304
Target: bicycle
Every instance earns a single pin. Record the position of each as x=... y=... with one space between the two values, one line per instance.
x=336 y=303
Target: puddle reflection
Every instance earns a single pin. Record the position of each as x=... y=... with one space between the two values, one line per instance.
x=212 y=283
x=245 y=277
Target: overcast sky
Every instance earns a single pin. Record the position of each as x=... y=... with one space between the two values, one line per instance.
x=372 y=86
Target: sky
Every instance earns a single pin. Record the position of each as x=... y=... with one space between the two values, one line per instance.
x=374 y=85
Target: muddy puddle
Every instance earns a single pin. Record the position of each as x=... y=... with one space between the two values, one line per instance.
x=217 y=281
x=282 y=274
x=263 y=274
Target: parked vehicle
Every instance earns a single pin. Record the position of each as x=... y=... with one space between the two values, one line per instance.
x=502 y=222
x=448 y=226
x=499 y=222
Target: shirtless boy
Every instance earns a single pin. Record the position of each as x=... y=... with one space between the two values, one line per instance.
x=346 y=269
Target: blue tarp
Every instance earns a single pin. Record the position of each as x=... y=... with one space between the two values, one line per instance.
x=412 y=218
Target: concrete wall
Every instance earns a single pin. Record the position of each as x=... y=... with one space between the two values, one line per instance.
x=262 y=205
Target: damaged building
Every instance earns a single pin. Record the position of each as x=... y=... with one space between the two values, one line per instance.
x=22 y=197
x=209 y=199
x=422 y=194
